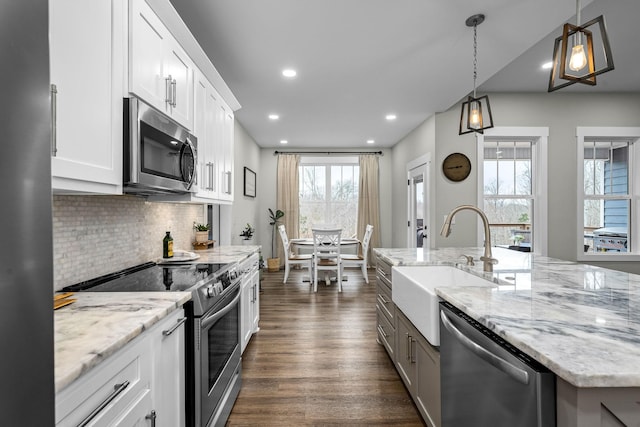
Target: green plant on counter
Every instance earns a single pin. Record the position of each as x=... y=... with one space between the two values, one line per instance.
x=201 y=227
x=248 y=231
x=517 y=239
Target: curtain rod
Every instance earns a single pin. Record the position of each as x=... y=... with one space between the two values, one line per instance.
x=379 y=153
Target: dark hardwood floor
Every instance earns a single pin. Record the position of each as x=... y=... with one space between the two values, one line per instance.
x=315 y=360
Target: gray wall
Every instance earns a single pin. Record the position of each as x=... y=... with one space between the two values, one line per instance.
x=245 y=209
x=562 y=113
x=418 y=142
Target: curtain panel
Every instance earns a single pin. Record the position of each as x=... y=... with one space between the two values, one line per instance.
x=369 y=199
x=287 y=197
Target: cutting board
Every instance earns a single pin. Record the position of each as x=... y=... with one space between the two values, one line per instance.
x=60 y=300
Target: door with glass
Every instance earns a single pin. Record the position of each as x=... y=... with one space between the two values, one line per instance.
x=418 y=223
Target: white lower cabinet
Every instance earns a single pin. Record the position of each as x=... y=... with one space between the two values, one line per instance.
x=418 y=364
x=143 y=382
x=249 y=300
x=168 y=376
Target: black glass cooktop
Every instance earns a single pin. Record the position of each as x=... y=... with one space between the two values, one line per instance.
x=149 y=277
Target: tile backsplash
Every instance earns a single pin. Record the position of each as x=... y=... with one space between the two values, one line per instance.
x=97 y=235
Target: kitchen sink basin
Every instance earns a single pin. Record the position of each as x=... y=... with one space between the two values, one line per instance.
x=414 y=293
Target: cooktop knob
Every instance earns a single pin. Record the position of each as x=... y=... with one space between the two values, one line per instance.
x=210 y=291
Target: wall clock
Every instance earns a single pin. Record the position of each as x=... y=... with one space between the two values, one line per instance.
x=456 y=167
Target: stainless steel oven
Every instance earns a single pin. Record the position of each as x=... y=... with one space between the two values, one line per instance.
x=216 y=338
x=160 y=156
x=213 y=369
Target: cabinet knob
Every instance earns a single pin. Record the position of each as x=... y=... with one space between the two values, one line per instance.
x=152 y=416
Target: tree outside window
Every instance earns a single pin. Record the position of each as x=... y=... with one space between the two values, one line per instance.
x=508 y=191
x=329 y=194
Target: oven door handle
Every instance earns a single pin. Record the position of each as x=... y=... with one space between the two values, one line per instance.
x=514 y=372
x=209 y=320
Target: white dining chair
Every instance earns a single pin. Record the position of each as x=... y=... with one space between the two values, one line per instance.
x=360 y=260
x=292 y=258
x=326 y=254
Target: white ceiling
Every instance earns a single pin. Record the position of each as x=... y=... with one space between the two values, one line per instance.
x=358 y=60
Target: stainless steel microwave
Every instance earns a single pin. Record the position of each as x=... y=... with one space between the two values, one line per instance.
x=160 y=156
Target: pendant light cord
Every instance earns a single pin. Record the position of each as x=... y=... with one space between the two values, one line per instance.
x=578 y=37
x=475 y=57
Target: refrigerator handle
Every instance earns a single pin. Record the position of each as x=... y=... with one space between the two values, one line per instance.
x=54 y=120
x=514 y=372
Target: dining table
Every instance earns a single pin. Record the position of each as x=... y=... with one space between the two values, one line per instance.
x=306 y=244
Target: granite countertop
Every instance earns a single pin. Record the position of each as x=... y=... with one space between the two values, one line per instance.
x=98 y=324
x=580 y=321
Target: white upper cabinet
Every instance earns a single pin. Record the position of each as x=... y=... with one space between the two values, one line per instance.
x=87 y=42
x=213 y=127
x=226 y=141
x=102 y=52
x=160 y=71
x=205 y=131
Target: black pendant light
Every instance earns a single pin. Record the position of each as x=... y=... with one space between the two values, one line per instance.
x=475 y=115
x=573 y=62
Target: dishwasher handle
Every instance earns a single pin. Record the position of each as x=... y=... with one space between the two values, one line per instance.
x=514 y=372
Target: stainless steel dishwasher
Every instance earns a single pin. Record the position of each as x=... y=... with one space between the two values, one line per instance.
x=485 y=381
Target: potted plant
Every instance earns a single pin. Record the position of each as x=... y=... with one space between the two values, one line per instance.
x=202 y=232
x=273 y=263
x=517 y=239
x=247 y=234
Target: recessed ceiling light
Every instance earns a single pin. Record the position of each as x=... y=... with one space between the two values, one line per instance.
x=547 y=65
x=370 y=141
x=283 y=141
x=390 y=117
x=289 y=72
x=273 y=117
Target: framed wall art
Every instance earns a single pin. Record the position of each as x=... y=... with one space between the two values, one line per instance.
x=249 y=182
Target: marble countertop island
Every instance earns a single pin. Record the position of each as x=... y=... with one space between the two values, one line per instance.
x=580 y=321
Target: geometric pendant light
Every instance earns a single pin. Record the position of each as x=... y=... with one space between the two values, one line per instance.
x=475 y=115
x=575 y=62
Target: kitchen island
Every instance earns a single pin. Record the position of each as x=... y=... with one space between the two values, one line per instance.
x=581 y=322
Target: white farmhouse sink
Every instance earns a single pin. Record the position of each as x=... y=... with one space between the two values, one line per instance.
x=414 y=293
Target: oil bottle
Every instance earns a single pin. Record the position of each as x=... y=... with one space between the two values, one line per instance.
x=167 y=246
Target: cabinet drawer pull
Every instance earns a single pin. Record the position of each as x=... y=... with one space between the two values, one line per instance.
x=54 y=120
x=167 y=89
x=411 y=340
x=383 y=299
x=152 y=416
x=174 y=327
x=381 y=272
x=174 y=103
x=228 y=175
x=382 y=332
x=210 y=166
x=117 y=389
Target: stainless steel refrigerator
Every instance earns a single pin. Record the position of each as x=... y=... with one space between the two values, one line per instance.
x=26 y=253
